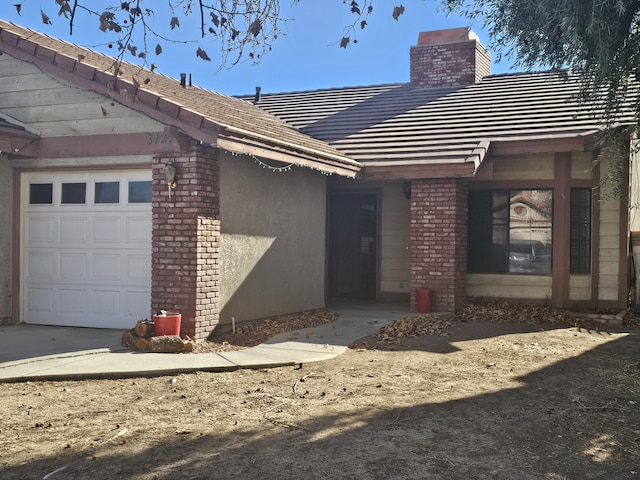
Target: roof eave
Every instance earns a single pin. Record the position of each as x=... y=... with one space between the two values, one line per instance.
x=194 y=124
x=414 y=171
x=237 y=140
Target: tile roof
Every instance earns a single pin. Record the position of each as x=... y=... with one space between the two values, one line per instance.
x=401 y=125
x=204 y=115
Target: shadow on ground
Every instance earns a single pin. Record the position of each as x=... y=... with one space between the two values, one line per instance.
x=574 y=419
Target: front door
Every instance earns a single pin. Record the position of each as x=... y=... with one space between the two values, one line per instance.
x=353 y=232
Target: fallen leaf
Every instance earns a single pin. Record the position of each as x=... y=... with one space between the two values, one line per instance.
x=45 y=18
x=202 y=54
x=255 y=28
x=64 y=9
x=397 y=12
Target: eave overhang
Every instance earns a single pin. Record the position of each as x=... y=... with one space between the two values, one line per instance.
x=200 y=128
x=469 y=165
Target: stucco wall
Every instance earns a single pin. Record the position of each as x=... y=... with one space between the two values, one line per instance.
x=6 y=200
x=272 y=247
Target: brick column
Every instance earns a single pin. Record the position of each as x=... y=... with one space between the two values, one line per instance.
x=439 y=241
x=185 y=240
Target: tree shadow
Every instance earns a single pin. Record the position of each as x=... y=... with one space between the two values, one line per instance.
x=461 y=331
x=576 y=418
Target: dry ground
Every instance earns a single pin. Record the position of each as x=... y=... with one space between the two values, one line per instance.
x=466 y=399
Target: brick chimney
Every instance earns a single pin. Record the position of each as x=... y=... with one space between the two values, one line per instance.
x=452 y=57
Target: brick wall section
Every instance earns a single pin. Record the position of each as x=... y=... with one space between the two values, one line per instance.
x=438 y=241
x=185 y=240
x=449 y=64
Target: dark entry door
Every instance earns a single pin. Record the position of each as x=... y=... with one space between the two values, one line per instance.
x=353 y=245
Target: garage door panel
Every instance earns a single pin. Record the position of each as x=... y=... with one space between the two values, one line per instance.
x=40 y=229
x=135 y=303
x=107 y=266
x=73 y=267
x=107 y=230
x=86 y=264
x=40 y=265
x=72 y=301
x=106 y=302
x=138 y=267
x=73 y=230
x=40 y=300
x=138 y=229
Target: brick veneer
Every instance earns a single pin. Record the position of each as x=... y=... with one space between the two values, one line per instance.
x=449 y=64
x=439 y=241
x=185 y=240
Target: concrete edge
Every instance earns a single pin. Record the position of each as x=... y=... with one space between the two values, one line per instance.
x=44 y=358
x=111 y=375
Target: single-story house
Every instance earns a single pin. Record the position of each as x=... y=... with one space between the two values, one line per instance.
x=135 y=192
x=480 y=185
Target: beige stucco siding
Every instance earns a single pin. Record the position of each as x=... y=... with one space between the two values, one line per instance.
x=272 y=247
x=394 y=244
x=56 y=108
x=6 y=200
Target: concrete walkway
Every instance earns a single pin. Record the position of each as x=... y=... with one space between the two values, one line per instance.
x=34 y=352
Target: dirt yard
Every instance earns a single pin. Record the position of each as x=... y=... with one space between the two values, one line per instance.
x=463 y=400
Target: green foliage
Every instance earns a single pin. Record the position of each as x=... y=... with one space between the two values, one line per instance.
x=598 y=40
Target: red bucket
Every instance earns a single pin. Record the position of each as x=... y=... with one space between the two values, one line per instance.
x=168 y=324
x=423 y=297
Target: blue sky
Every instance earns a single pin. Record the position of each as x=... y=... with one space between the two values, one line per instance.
x=307 y=57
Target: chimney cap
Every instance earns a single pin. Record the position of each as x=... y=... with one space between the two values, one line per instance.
x=449 y=35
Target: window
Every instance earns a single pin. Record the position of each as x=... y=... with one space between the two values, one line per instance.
x=510 y=231
x=73 y=193
x=41 y=194
x=107 y=192
x=580 y=231
x=139 y=192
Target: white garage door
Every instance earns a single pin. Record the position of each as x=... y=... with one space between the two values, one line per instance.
x=86 y=248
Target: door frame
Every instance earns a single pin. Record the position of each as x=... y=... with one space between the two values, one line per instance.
x=377 y=193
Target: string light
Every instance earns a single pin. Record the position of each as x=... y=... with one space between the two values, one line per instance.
x=285 y=168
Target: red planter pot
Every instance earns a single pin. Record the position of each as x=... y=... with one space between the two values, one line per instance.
x=168 y=324
x=423 y=297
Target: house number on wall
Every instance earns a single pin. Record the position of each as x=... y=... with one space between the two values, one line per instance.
x=158 y=137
